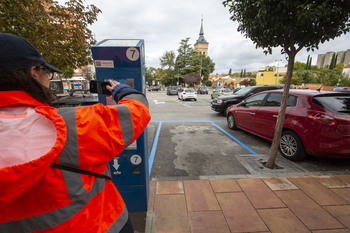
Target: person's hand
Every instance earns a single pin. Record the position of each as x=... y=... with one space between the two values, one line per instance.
x=113 y=84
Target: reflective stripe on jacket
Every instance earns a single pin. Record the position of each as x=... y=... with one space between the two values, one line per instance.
x=37 y=198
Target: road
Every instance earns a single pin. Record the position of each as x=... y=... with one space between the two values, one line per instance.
x=187 y=140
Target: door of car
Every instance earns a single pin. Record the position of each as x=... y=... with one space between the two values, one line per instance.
x=246 y=113
x=267 y=115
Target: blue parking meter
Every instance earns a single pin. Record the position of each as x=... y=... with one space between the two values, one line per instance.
x=124 y=61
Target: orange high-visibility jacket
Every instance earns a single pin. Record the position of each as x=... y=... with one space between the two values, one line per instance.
x=35 y=197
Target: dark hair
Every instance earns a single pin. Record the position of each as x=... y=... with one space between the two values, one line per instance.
x=22 y=80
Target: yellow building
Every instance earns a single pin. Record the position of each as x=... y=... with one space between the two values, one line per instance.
x=270 y=75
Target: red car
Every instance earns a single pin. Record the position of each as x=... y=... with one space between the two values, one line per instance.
x=316 y=122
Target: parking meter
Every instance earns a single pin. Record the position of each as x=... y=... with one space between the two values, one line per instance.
x=124 y=61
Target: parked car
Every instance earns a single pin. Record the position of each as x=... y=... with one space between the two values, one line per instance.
x=154 y=88
x=316 y=122
x=220 y=91
x=340 y=89
x=186 y=94
x=171 y=90
x=222 y=103
x=202 y=90
x=237 y=89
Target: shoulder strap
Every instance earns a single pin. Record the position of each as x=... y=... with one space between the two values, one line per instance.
x=70 y=169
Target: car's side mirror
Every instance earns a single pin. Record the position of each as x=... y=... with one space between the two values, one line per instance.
x=242 y=104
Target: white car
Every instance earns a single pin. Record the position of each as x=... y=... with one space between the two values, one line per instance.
x=186 y=94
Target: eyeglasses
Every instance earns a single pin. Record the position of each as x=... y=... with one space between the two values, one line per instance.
x=47 y=71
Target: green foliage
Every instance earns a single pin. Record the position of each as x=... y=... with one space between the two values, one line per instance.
x=208 y=66
x=190 y=62
x=308 y=63
x=208 y=83
x=60 y=33
x=68 y=72
x=273 y=23
x=299 y=66
x=167 y=61
x=184 y=57
x=333 y=61
x=252 y=82
x=150 y=75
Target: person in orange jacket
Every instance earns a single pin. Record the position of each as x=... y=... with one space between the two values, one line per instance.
x=39 y=142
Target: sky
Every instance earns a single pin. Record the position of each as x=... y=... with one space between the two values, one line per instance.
x=162 y=24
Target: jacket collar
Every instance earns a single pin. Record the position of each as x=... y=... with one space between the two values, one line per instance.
x=18 y=98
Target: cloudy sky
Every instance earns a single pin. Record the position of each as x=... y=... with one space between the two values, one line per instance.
x=163 y=24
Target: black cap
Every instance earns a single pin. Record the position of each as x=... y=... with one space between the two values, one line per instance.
x=16 y=52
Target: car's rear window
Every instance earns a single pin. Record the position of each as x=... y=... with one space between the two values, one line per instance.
x=338 y=104
x=189 y=90
x=226 y=90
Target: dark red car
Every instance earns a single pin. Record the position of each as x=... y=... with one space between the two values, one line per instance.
x=316 y=122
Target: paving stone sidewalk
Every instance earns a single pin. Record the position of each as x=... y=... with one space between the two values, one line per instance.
x=278 y=204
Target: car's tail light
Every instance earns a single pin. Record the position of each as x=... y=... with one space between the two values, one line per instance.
x=195 y=93
x=184 y=93
x=323 y=119
x=221 y=93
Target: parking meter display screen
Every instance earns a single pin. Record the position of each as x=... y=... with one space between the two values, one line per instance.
x=126 y=43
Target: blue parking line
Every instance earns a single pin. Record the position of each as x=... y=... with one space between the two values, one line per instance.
x=154 y=148
x=156 y=139
x=194 y=121
x=238 y=141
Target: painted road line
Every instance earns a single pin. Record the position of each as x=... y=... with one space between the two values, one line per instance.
x=154 y=148
x=238 y=141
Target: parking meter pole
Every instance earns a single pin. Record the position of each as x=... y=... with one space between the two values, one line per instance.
x=124 y=61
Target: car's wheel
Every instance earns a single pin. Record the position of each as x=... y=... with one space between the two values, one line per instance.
x=231 y=121
x=195 y=99
x=211 y=96
x=291 y=147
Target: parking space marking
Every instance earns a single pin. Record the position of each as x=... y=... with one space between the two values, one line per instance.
x=238 y=141
x=156 y=139
x=183 y=103
x=154 y=149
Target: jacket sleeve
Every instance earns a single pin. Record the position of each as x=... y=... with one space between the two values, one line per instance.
x=105 y=131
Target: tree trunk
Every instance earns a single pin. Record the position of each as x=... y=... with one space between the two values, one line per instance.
x=279 y=124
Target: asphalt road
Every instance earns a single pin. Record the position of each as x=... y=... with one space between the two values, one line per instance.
x=187 y=140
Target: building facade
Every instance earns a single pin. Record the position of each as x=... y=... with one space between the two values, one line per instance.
x=270 y=75
x=201 y=45
x=324 y=60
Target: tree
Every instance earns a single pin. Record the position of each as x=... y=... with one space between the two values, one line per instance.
x=167 y=62
x=208 y=66
x=59 y=32
x=308 y=63
x=230 y=72
x=192 y=79
x=333 y=61
x=150 y=75
x=184 y=57
x=190 y=62
x=291 y=25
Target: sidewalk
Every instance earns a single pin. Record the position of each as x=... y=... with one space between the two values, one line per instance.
x=279 y=204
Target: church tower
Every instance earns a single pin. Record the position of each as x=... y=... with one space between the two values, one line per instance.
x=201 y=45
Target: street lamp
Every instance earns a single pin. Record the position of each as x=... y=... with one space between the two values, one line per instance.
x=277 y=69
